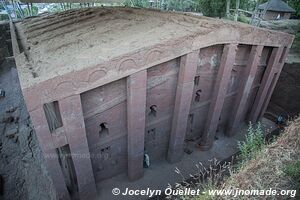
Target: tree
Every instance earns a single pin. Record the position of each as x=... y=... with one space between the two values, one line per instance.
x=212 y=8
x=237 y=6
x=227 y=8
x=296 y=5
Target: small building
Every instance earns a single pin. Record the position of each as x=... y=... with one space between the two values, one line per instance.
x=276 y=10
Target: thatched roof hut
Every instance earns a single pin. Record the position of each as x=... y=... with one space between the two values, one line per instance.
x=276 y=9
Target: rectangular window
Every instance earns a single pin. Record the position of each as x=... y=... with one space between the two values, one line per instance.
x=53 y=116
x=196 y=80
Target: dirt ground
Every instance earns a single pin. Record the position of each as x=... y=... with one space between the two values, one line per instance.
x=21 y=163
x=161 y=174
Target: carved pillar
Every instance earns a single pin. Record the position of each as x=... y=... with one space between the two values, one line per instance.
x=244 y=89
x=73 y=123
x=275 y=79
x=43 y=134
x=136 y=110
x=184 y=93
x=265 y=84
x=218 y=96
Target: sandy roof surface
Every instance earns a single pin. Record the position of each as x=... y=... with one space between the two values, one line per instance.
x=73 y=40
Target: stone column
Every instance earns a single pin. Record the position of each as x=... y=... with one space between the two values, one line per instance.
x=274 y=82
x=218 y=96
x=73 y=123
x=43 y=134
x=265 y=84
x=244 y=90
x=136 y=110
x=184 y=94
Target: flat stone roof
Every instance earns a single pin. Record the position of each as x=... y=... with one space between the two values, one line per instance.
x=58 y=44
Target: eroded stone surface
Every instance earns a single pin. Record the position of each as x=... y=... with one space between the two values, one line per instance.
x=82 y=62
x=21 y=161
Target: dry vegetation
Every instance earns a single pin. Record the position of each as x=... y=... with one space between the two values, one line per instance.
x=275 y=166
x=269 y=168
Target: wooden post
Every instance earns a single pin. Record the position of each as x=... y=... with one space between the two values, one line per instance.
x=228 y=8
x=237 y=6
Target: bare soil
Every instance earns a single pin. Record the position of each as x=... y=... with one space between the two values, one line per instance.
x=21 y=162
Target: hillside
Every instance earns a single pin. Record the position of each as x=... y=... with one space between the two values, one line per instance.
x=276 y=166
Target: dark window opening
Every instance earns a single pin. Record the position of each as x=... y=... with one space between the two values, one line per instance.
x=103 y=129
x=282 y=55
x=153 y=110
x=196 y=80
x=261 y=76
x=68 y=170
x=105 y=153
x=152 y=133
x=191 y=120
x=218 y=127
x=53 y=116
x=197 y=97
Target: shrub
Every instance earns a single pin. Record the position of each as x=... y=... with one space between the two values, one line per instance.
x=243 y=18
x=253 y=144
x=4 y=17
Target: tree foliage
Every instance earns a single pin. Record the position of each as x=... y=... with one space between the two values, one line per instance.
x=211 y=8
x=296 y=5
x=214 y=8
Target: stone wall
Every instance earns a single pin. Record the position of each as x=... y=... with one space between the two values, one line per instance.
x=286 y=97
x=105 y=108
x=5 y=47
x=270 y=15
x=22 y=166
